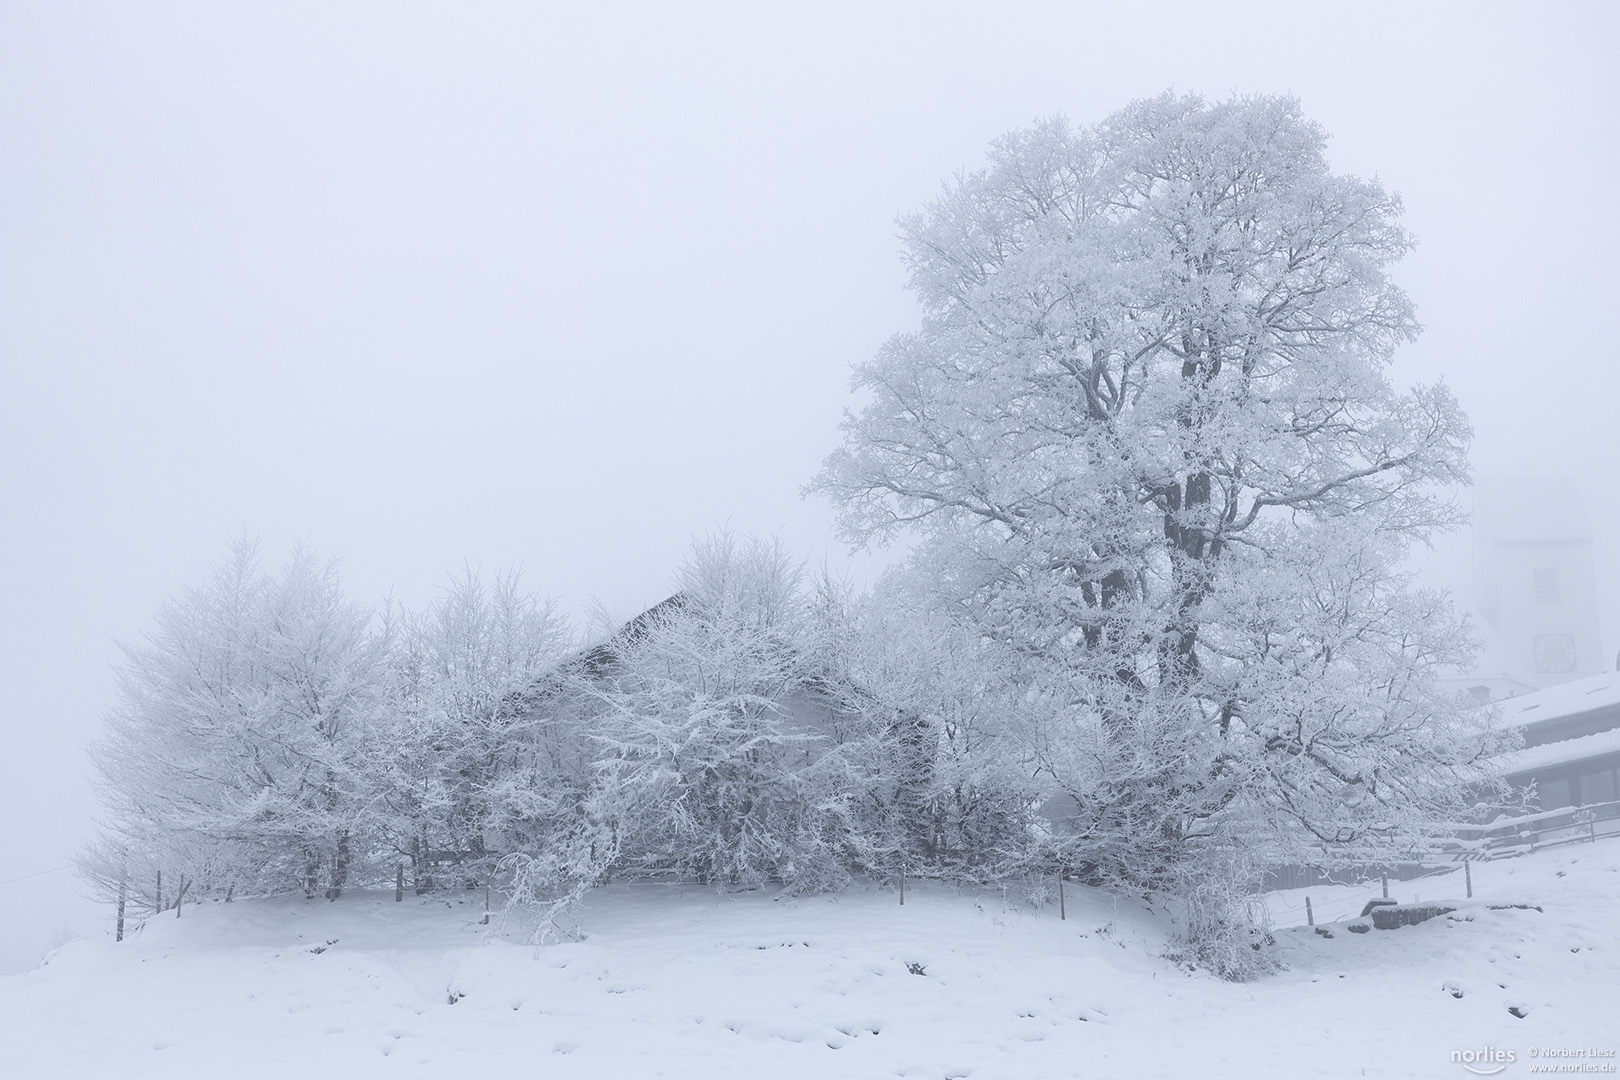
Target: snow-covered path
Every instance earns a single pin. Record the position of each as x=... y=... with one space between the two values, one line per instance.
x=950 y=985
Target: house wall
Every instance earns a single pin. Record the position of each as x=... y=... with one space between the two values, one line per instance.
x=1534 y=580
x=1577 y=783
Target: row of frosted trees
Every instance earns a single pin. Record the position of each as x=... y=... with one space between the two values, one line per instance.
x=758 y=727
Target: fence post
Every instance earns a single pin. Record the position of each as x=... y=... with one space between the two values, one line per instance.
x=902 y=884
x=399 y=883
x=160 y=891
x=1468 y=879
x=1310 y=917
x=119 y=936
x=1063 y=911
x=1385 y=879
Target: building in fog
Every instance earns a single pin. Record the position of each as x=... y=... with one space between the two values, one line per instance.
x=1571 y=742
x=1535 y=603
x=1567 y=771
x=1534 y=588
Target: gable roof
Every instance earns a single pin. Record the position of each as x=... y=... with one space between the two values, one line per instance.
x=1562 y=702
x=1566 y=724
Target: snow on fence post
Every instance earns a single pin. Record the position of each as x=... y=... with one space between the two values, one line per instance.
x=1468 y=879
x=1310 y=917
x=1384 y=878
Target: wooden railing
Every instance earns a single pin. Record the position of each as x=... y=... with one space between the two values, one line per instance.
x=1528 y=832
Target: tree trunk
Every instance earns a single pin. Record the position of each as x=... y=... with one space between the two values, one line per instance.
x=340 y=869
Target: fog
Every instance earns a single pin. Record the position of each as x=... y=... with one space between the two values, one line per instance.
x=515 y=284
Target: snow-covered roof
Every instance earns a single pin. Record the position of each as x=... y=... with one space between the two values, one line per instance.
x=1565 y=699
x=1535 y=758
x=1531 y=510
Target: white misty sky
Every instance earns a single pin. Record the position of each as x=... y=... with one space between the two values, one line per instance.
x=563 y=285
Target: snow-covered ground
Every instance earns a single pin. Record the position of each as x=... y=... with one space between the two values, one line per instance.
x=688 y=984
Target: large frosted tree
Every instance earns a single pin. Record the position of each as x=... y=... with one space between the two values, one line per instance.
x=1148 y=448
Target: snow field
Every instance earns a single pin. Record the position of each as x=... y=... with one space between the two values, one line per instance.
x=684 y=983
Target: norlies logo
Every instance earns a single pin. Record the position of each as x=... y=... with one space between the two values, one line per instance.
x=1486 y=1062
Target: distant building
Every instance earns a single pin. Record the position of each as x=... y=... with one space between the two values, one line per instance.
x=1534 y=585
x=1533 y=590
x=1534 y=596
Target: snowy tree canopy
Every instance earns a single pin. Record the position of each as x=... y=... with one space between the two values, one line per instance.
x=1147 y=443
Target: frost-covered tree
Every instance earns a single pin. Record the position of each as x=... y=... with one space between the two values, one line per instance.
x=1147 y=443
x=461 y=755
x=234 y=757
x=716 y=754
x=935 y=789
